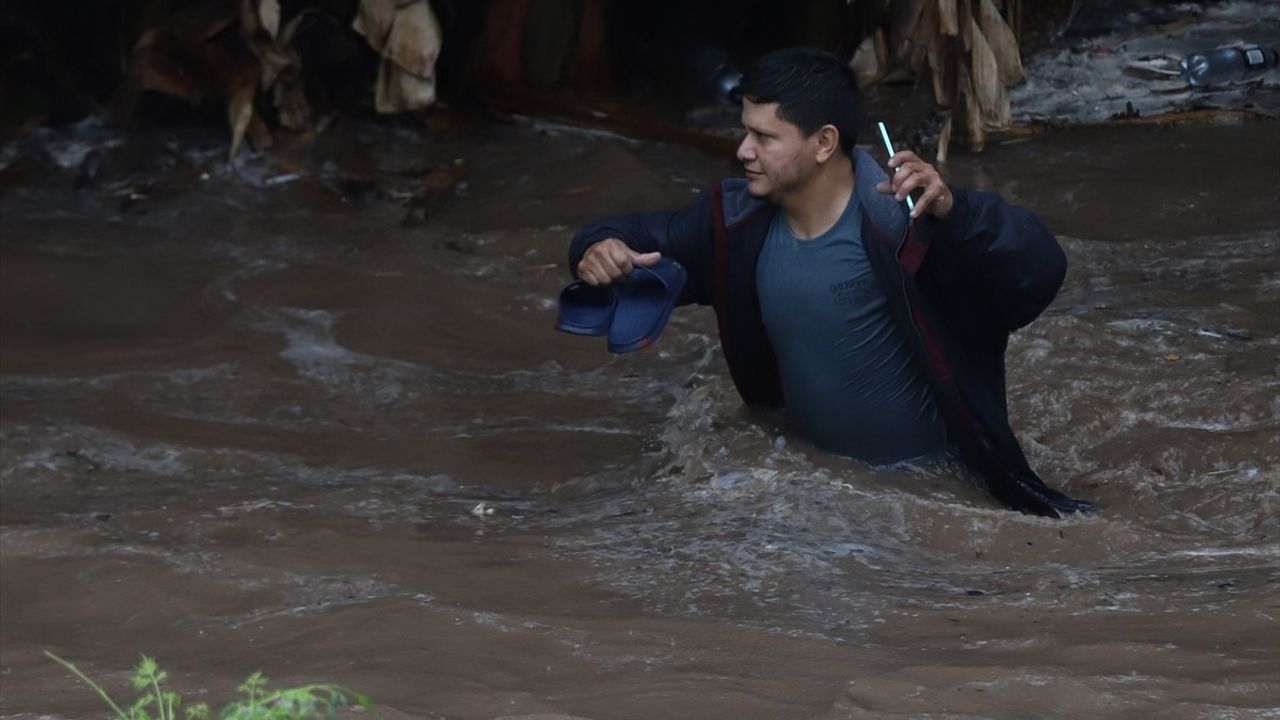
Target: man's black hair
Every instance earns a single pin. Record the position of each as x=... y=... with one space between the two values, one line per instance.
x=811 y=87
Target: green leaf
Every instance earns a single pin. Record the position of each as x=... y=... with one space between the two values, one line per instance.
x=306 y=702
x=85 y=679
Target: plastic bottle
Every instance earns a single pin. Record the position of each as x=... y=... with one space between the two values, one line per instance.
x=1227 y=64
x=719 y=75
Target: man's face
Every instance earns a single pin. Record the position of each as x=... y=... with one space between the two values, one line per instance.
x=777 y=157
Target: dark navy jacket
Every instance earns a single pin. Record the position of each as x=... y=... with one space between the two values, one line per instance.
x=957 y=287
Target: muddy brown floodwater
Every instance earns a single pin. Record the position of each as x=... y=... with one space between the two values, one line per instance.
x=248 y=413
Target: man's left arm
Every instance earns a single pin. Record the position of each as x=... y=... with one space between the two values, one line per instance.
x=998 y=249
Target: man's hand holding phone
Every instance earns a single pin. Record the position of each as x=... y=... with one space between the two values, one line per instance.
x=910 y=173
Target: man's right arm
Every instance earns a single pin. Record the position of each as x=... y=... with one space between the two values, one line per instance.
x=684 y=235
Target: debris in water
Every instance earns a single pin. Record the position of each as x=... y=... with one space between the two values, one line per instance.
x=1224 y=333
x=280 y=179
x=1108 y=64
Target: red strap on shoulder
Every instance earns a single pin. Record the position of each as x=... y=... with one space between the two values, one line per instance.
x=720 y=297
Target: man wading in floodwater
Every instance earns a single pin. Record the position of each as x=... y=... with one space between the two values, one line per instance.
x=882 y=335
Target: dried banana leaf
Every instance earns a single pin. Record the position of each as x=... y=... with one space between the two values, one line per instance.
x=1003 y=44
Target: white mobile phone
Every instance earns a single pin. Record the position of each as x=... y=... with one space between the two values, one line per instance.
x=911 y=205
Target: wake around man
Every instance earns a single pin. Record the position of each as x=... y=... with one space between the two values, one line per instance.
x=882 y=334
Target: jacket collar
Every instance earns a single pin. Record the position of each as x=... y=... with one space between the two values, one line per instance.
x=887 y=214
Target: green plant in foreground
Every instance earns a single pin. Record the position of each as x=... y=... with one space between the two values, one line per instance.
x=156 y=702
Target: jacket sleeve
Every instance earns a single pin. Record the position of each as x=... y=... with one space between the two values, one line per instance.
x=1001 y=252
x=684 y=235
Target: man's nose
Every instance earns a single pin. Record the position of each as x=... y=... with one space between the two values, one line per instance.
x=746 y=151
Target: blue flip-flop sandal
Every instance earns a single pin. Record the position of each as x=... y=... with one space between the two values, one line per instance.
x=586 y=309
x=644 y=304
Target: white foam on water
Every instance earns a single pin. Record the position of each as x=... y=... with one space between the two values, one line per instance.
x=735 y=508
x=311 y=347
x=182 y=377
x=1268 y=552
x=225 y=285
x=75 y=446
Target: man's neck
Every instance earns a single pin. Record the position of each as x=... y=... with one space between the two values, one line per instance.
x=815 y=207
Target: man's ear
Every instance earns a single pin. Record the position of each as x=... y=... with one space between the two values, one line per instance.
x=828 y=143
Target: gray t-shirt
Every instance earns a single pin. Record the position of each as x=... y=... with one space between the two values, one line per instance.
x=851 y=383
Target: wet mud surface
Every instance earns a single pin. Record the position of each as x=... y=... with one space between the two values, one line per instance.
x=313 y=419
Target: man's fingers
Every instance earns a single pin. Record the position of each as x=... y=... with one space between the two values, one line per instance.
x=646 y=259
x=925 y=179
x=594 y=274
x=911 y=174
x=912 y=181
x=607 y=272
x=605 y=268
x=593 y=269
x=901 y=173
x=930 y=195
x=603 y=273
x=610 y=261
x=601 y=261
x=619 y=262
x=901 y=158
x=912 y=167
